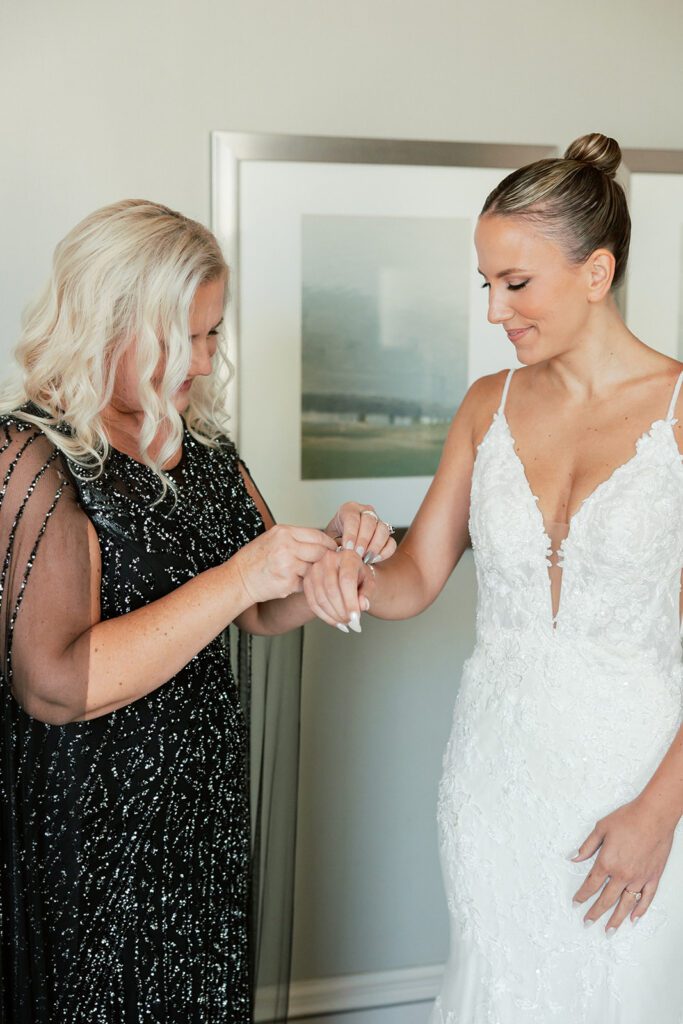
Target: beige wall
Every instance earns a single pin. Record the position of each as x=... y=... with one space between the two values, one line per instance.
x=110 y=99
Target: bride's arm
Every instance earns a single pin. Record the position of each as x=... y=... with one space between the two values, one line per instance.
x=633 y=845
x=340 y=585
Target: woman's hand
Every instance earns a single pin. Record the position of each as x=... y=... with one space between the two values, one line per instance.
x=275 y=563
x=358 y=528
x=338 y=588
x=634 y=843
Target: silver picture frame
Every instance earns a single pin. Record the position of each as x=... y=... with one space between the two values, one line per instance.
x=653 y=293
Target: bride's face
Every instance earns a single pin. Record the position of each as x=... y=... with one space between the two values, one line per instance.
x=539 y=297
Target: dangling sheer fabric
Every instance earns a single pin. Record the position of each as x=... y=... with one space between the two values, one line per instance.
x=269 y=673
x=126 y=849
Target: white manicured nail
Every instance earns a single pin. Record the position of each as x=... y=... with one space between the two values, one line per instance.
x=348 y=546
x=342 y=627
x=360 y=550
x=576 y=903
x=354 y=623
x=635 y=921
x=377 y=558
x=588 y=924
x=610 y=932
x=574 y=853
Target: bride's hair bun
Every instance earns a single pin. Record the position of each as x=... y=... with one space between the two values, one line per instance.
x=565 y=199
x=597 y=150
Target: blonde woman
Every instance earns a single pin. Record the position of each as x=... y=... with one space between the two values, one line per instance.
x=562 y=788
x=130 y=536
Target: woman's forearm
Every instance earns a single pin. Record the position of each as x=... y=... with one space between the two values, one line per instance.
x=270 y=618
x=131 y=655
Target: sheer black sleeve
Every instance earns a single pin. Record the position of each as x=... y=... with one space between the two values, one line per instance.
x=49 y=579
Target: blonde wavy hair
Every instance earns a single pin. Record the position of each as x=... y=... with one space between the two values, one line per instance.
x=126 y=275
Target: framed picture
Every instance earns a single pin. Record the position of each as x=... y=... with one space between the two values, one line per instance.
x=654 y=282
x=357 y=319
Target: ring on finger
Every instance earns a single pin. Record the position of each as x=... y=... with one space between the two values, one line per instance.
x=388 y=526
x=636 y=895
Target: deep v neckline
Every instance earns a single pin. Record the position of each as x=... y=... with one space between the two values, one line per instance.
x=590 y=499
x=599 y=487
x=555 y=607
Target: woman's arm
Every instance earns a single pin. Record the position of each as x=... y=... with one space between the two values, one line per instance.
x=61 y=660
x=127 y=657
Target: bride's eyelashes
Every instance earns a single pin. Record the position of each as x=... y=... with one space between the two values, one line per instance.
x=511 y=287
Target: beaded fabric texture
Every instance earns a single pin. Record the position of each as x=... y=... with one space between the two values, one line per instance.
x=125 y=838
x=558 y=721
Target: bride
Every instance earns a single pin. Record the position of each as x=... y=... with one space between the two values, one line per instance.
x=562 y=786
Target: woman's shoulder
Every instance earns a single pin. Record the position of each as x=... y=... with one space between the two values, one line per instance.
x=482 y=400
x=489 y=388
x=25 y=422
x=24 y=440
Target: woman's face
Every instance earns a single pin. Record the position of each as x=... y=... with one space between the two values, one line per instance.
x=535 y=293
x=206 y=315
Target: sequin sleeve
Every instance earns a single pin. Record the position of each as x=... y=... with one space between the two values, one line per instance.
x=49 y=577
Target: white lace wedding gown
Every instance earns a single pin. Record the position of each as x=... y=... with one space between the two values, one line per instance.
x=558 y=721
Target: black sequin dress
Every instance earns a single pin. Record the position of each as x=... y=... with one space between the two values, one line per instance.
x=125 y=838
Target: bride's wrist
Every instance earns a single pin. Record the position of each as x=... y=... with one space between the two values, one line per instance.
x=662 y=805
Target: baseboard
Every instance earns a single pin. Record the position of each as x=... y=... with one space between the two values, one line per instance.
x=322 y=996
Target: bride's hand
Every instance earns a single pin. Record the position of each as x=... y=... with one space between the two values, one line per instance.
x=358 y=528
x=338 y=588
x=634 y=844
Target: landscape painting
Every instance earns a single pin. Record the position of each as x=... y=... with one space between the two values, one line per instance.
x=384 y=342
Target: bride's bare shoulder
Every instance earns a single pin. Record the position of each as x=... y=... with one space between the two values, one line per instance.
x=481 y=402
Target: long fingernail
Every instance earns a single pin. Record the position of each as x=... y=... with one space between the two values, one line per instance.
x=576 y=903
x=360 y=550
x=342 y=627
x=369 y=557
x=635 y=921
x=588 y=924
x=365 y=604
x=348 y=546
x=354 y=623
x=574 y=853
x=610 y=932
x=376 y=559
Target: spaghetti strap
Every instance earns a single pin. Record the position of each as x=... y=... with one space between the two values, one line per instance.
x=674 y=397
x=506 y=388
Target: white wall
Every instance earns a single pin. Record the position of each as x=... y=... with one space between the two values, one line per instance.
x=111 y=99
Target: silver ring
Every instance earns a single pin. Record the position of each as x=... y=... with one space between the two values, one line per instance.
x=370 y=512
x=638 y=895
x=388 y=526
